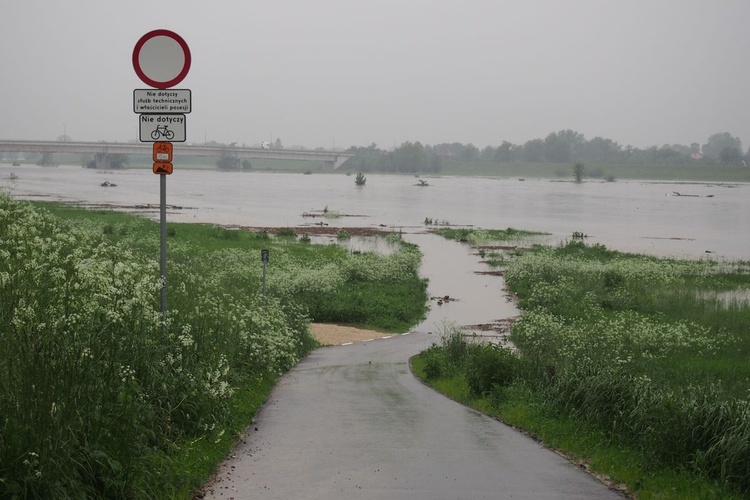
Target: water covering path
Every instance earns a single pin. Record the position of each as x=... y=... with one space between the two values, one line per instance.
x=352 y=422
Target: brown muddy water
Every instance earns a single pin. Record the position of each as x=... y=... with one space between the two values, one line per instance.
x=696 y=220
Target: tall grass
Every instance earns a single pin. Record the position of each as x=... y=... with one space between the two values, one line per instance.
x=636 y=348
x=639 y=350
x=96 y=393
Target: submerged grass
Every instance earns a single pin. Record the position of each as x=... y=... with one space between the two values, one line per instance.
x=484 y=236
x=628 y=356
x=99 y=398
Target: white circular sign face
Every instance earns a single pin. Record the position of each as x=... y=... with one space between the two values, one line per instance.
x=161 y=59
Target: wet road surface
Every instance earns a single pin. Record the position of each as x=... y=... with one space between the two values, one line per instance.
x=353 y=422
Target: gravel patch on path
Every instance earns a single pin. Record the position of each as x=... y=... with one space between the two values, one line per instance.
x=331 y=334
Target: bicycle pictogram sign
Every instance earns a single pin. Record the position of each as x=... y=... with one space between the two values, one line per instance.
x=163 y=152
x=162 y=131
x=162 y=128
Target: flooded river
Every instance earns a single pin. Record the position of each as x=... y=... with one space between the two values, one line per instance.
x=666 y=219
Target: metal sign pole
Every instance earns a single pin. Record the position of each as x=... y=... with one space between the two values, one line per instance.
x=163 y=253
x=264 y=285
x=264 y=258
x=161 y=69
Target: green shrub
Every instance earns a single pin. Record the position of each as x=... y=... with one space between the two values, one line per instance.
x=434 y=362
x=490 y=366
x=223 y=233
x=578 y=172
x=342 y=235
x=454 y=346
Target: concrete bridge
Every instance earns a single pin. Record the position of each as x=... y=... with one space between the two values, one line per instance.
x=101 y=151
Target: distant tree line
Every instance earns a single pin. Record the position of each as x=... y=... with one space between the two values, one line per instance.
x=566 y=147
x=563 y=147
x=410 y=157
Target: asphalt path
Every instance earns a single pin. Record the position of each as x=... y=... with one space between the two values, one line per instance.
x=352 y=421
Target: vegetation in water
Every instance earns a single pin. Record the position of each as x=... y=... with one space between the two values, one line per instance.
x=634 y=364
x=578 y=170
x=478 y=236
x=429 y=221
x=101 y=398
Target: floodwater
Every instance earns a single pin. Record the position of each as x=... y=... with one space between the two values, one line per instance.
x=696 y=220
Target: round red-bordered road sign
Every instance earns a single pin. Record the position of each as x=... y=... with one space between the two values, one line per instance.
x=161 y=59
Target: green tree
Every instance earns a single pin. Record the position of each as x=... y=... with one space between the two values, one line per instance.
x=532 y=151
x=599 y=150
x=562 y=146
x=372 y=149
x=469 y=153
x=682 y=149
x=665 y=155
x=46 y=160
x=411 y=157
x=118 y=160
x=506 y=152
x=488 y=153
x=227 y=161
x=578 y=172
x=731 y=156
x=718 y=142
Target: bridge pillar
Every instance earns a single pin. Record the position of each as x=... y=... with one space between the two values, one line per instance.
x=335 y=163
x=102 y=161
x=340 y=160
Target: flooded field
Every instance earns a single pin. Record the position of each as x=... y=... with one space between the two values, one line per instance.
x=666 y=219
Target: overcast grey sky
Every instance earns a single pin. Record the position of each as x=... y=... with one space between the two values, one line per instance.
x=353 y=72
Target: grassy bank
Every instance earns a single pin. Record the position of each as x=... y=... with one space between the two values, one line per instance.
x=634 y=365
x=100 y=398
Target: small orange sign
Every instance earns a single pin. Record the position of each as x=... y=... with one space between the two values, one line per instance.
x=163 y=152
x=162 y=168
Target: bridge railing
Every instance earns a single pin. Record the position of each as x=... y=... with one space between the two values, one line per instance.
x=331 y=158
